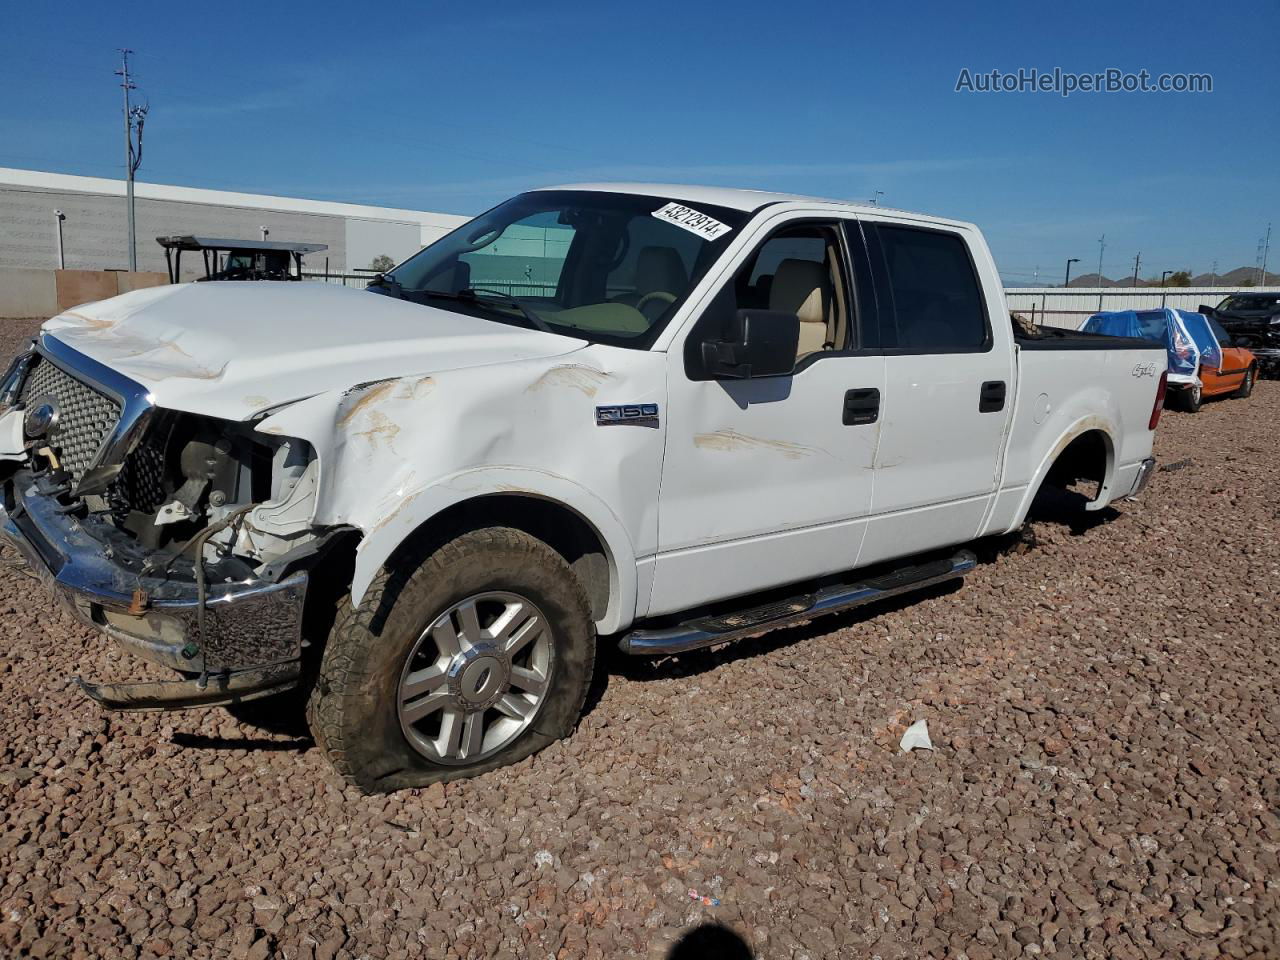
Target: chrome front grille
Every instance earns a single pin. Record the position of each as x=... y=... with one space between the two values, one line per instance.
x=85 y=416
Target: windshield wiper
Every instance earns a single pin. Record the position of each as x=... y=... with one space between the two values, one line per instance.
x=480 y=294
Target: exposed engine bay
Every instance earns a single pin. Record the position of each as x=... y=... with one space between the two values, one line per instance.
x=184 y=492
x=190 y=473
x=194 y=487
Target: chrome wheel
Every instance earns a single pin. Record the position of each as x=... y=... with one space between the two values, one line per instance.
x=476 y=678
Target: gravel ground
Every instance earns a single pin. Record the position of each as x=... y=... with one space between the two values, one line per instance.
x=14 y=336
x=1102 y=696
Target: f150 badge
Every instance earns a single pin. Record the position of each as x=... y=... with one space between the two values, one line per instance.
x=631 y=414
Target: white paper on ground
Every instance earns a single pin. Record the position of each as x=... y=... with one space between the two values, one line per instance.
x=917 y=737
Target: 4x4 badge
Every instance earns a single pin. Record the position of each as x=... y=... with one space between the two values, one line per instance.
x=632 y=414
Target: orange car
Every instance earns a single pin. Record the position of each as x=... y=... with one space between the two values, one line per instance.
x=1236 y=376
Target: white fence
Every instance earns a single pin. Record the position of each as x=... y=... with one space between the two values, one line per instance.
x=1072 y=306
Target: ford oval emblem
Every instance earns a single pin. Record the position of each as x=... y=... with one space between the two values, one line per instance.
x=41 y=419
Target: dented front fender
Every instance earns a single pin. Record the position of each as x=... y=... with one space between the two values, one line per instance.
x=395 y=453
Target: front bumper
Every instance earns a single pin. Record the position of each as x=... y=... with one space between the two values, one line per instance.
x=251 y=641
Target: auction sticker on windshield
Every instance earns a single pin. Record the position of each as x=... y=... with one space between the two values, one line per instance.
x=706 y=227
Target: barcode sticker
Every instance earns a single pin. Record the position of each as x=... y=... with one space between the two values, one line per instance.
x=706 y=227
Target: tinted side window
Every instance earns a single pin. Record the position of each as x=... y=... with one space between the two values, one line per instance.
x=937 y=302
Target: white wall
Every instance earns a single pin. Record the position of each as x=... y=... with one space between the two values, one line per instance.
x=94 y=234
x=367 y=239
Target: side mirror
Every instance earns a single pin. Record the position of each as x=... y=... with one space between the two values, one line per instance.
x=760 y=343
x=1207 y=310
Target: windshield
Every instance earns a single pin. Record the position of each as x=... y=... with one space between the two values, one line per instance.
x=1249 y=303
x=607 y=267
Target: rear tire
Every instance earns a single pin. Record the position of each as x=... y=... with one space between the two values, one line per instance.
x=407 y=696
x=1191 y=399
x=1246 y=386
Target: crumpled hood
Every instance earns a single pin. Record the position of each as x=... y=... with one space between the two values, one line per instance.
x=231 y=350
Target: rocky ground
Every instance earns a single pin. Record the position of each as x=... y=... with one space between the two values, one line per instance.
x=1102 y=697
x=14 y=335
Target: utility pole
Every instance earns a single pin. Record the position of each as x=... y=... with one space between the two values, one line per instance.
x=1136 y=263
x=133 y=117
x=1102 y=245
x=875 y=198
x=1213 y=274
x=1266 y=249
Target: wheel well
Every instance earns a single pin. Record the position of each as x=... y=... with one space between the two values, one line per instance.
x=1084 y=458
x=554 y=524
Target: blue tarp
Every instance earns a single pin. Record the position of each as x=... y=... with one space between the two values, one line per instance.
x=1198 y=326
x=1164 y=326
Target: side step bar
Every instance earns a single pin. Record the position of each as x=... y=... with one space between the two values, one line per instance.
x=708 y=631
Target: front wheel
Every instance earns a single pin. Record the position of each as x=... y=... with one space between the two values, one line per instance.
x=478 y=658
x=1246 y=385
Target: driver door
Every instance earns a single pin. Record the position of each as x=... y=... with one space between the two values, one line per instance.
x=769 y=480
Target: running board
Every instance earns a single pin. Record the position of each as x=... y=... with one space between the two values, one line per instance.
x=708 y=631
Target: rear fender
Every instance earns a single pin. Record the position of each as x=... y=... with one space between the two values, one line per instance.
x=1079 y=428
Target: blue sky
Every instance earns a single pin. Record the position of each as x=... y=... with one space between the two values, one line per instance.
x=453 y=107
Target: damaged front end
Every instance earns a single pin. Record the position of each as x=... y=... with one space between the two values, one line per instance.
x=186 y=539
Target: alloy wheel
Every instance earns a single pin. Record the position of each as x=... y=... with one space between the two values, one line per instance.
x=476 y=678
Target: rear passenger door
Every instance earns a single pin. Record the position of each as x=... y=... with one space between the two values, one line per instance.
x=948 y=390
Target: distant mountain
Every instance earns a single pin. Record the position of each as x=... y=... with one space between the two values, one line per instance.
x=1094 y=280
x=1239 y=278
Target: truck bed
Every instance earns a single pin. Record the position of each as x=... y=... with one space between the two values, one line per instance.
x=1059 y=338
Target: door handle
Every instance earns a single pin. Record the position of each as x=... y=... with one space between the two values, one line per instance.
x=861 y=406
x=991 y=398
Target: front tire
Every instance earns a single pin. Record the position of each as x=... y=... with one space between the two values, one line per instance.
x=479 y=657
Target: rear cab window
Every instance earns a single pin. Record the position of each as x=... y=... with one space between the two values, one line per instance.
x=930 y=297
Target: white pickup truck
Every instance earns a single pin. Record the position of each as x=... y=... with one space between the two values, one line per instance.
x=654 y=416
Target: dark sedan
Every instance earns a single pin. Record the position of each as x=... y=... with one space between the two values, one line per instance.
x=1253 y=320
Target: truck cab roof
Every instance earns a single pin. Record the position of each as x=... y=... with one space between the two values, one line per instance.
x=748 y=201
